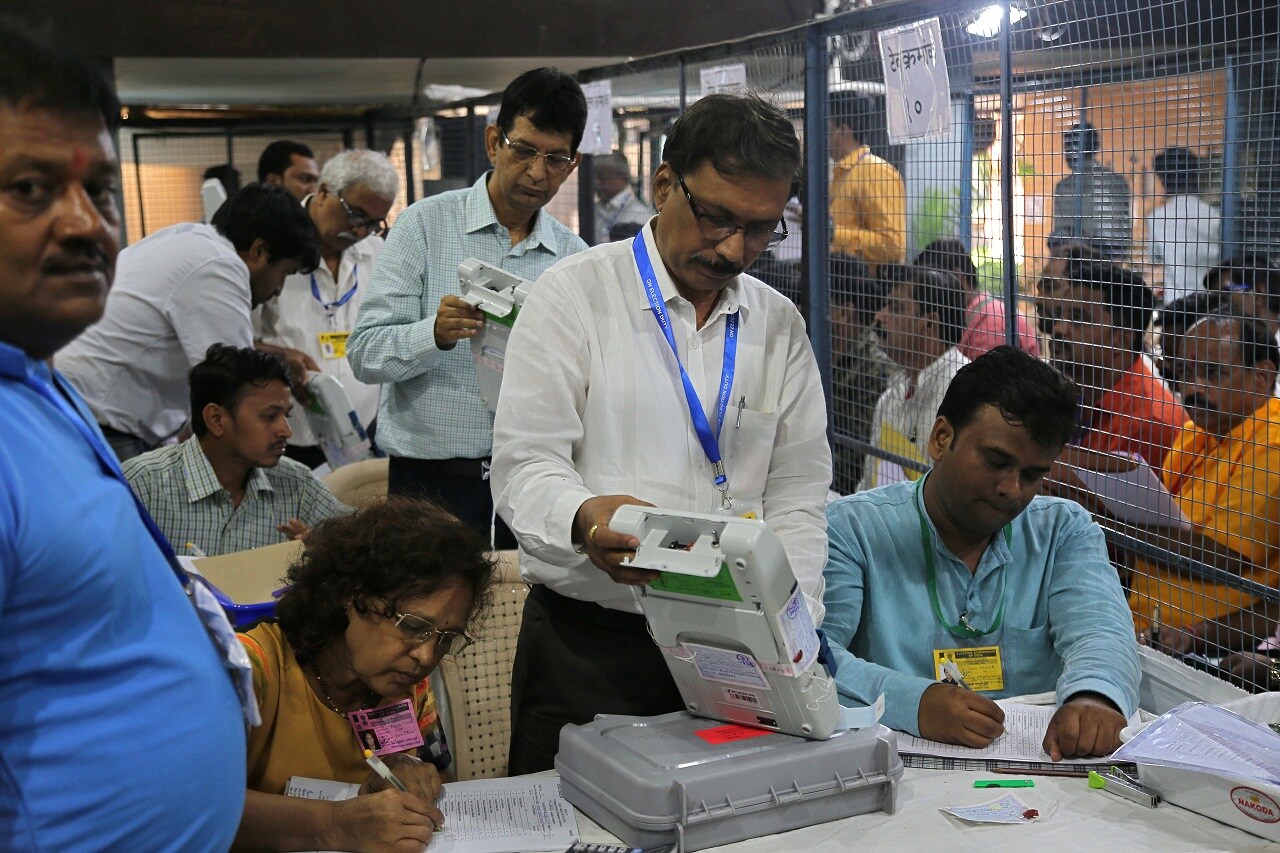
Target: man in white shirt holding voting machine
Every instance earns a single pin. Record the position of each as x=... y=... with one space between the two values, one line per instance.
x=655 y=371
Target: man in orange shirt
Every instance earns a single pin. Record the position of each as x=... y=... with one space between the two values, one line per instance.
x=1224 y=472
x=867 y=198
x=1096 y=326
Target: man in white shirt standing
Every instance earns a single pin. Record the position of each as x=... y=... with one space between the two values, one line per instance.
x=316 y=311
x=920 y=325
x=620 y=213
x=176 y=292
x=653 y=370
x=1184 y=233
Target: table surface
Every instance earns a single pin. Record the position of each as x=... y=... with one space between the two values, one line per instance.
x=1082 y=818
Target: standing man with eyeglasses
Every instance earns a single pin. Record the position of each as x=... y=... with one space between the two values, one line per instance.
x=654 y=371
x=316 y=311
x=413 y=331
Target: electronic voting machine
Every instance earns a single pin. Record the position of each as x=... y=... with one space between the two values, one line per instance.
x=739 y=641
x=499 y=295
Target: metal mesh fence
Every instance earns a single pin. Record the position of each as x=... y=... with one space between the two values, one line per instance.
x=1095 y=181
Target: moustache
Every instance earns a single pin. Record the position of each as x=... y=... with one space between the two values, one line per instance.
x=1195 y=401
x=719 y=267
x=75 y=258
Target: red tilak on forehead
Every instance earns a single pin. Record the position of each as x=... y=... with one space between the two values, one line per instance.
x=79 y=163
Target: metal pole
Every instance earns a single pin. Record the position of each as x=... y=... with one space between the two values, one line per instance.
x=409 y=194
x=1006 y=177
x=137 y=176
x=968 y=115
x=814 y=257
x=587 y=199
x=1231 y=219
x=683 y=86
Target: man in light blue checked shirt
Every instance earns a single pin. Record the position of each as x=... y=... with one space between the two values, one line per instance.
x=413 y=331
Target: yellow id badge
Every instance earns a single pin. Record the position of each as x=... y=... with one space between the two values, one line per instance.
x=979 y=667
x=334 y=344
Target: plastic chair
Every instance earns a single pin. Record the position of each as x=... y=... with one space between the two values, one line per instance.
x=478 y=682
x=360 y=483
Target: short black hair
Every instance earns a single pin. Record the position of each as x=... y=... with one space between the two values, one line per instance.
x=739 y=135
x=225 y=375
x=1183 y=313
x=950 y=254
x=1178 y=169
x=371 y=559
x=551 y=99
x=36 y=71
x=853 y=110
x=851 y=285
x=227 y=174
x=1124 y=294
x=1027 y=392
x=1254 y=272
x=278 y=156
x=933 y=291
x=268 y=212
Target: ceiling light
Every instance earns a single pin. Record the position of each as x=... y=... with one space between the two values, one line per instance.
x=988 y=22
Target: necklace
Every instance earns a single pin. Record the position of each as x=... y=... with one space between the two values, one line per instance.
x=328 y=700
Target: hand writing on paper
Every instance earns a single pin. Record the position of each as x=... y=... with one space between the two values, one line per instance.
x=608 y=548
x=385 y=820
x=1086 y=724
x=952 y=714
x=420 y=777
x=456 y=320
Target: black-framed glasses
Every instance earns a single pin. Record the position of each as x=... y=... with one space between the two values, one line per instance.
x=360 y=221
x=557 y=164
x=719 y=229
x=420 y=631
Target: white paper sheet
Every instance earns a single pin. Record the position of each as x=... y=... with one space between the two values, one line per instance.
x=1210 y=739
x=1026 y=725
x=1134 y=497
x=522 y=814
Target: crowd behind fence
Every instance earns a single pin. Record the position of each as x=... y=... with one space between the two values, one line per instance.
x=1102 y=183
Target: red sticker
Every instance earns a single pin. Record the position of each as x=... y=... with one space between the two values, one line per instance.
x=728 y=734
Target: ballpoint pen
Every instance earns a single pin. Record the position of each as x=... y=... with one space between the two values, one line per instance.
x=380 y=767
x=195 y=551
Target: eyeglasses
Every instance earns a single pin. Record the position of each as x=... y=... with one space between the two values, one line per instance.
x=361 y=221
x=419 y=631
x=719 y=229
x=557 y=164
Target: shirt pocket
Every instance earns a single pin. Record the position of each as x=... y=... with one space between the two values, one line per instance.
x=1030 y=664
x=749 y=451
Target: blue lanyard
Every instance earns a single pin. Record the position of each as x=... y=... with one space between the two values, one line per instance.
x=61 y=400
x=710 y=441
x=330 y=307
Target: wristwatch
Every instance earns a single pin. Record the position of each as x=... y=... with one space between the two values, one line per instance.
x=1273 y=674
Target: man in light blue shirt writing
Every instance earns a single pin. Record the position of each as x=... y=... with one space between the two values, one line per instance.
x=969 y=573
x=413 y=333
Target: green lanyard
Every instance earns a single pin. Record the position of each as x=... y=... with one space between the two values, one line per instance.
x=962 y=631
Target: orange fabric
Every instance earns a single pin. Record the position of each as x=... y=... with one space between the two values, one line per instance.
x=868 y=205
x=299 y=735
x=1138 y=415
x=1230 y=490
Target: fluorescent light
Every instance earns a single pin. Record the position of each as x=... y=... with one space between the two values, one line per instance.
x=988 y=23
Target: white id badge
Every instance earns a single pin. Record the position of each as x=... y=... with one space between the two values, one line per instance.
x=234 y=656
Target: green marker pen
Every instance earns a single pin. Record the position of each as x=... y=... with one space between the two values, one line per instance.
x=1004 y=783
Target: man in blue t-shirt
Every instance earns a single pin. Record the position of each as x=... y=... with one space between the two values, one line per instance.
x=119 y=728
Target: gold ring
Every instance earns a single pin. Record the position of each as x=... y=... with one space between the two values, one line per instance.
x=591 y=534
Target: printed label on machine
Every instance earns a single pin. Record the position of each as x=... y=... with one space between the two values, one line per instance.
x=744 y=698
x=727 y=667
x=798 y=632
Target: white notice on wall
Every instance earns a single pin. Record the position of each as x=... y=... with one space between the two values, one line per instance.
x=724 y=78
x=917 y=88
x=598 y=137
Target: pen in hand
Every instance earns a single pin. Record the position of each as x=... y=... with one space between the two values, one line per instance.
x=951 y=672
x=380 y=767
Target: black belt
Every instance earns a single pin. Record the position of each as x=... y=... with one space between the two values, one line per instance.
x=590 y=612
x=475 y=469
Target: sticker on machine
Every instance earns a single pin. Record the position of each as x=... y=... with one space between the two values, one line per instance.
x=798 y=632
x=727 y=667
x=744 y=698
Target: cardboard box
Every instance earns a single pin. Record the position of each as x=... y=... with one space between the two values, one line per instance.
x=1247 y=805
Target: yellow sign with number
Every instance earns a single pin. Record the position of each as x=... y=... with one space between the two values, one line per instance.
x=979 y=667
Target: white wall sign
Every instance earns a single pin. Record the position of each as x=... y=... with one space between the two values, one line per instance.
x=724 y=78
x=598 y=137
x=917 y=88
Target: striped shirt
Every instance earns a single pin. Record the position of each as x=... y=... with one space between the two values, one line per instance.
x=183 y=495
x=431 y=406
